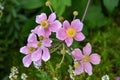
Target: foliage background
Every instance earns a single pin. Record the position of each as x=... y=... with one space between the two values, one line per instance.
x=101 y=28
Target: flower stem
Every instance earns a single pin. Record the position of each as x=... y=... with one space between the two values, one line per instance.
x=85 y=10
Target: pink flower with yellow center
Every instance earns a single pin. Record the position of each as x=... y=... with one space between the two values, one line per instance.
x=48 y=25
x=70 y=32
x=35 y=50
x=82 y=62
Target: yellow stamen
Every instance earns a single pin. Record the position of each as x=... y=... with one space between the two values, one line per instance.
x=86 y=58
x=31 y=50
x=45 y=23
x=39 y=44
x=76 y=64
x=41 y=38
x=71 y=32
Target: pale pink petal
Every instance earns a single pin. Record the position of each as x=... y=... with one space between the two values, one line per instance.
x=77 y=54
x=79 y=36
x=39 y=31
x=27 y=60
x=35 y=56
x=55 y=26
x=32 y=44
x=61 y=34
x=79 y=70
x=69 y=41
x=46 y=54
x=37 y=64
x=24 y=50
x=77 y=24
x=41 y=17
x=47 y=42
x=47 y=32
x=52 y=17
x=95 y=58
x=87 y=49
x=88 y=68
x=35 y=30
x=66 y=24
x=32 y=38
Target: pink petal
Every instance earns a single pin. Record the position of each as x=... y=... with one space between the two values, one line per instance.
x=24 y=50
x=46 y=54
x=34 y=44
x=88 y=68
x=87 y=49
x=77 y=54
x=36 y=55
x=27 y=60
x=47 y=32
x=39 y=31
x=66 y=24
x=52 y=17
x=32 y=38
x=69 y=41
x=47 y=42
x=79 y=70
x=37 y=64
x=41 y=17
x=79 y=36
x=55 y=26
x=77 y=24
x=95 y=58
x=61 y=34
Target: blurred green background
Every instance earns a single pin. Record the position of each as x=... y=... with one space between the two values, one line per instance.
x=101 y=28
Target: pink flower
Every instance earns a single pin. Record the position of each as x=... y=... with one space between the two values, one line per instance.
x=49 y=25
x=35 y=50
x=68 y=32
x=82 y=62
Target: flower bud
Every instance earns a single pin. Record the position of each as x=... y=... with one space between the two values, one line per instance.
x=48 y=3
x=75 y=13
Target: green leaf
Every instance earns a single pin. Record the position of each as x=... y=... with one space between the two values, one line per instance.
x=110 y=4
x=30 y=24
x=32 y=4
x=95 y=17
x=60 y=5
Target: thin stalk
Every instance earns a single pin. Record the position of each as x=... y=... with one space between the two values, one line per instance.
x=85 y=10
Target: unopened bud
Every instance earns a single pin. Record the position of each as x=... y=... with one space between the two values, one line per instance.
x=48 y=3
x=75 y=13
x=61 y=19
x=63 y=51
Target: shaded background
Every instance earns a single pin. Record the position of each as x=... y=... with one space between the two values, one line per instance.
x=101 y=28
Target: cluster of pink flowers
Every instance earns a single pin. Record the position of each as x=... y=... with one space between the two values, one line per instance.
x=39 y=42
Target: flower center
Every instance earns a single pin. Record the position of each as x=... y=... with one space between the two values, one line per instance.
x=71 y=32
x=41 y=38
x=31 y=50
x=86 y=58
x=39 y=44
x=45 y=23
x=76 y=65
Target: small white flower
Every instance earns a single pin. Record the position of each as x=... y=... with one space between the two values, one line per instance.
x=13 y=75
x=105 y=77
x=23 y=76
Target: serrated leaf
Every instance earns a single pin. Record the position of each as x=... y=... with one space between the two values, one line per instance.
x=111 y=4
x=32 y=4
